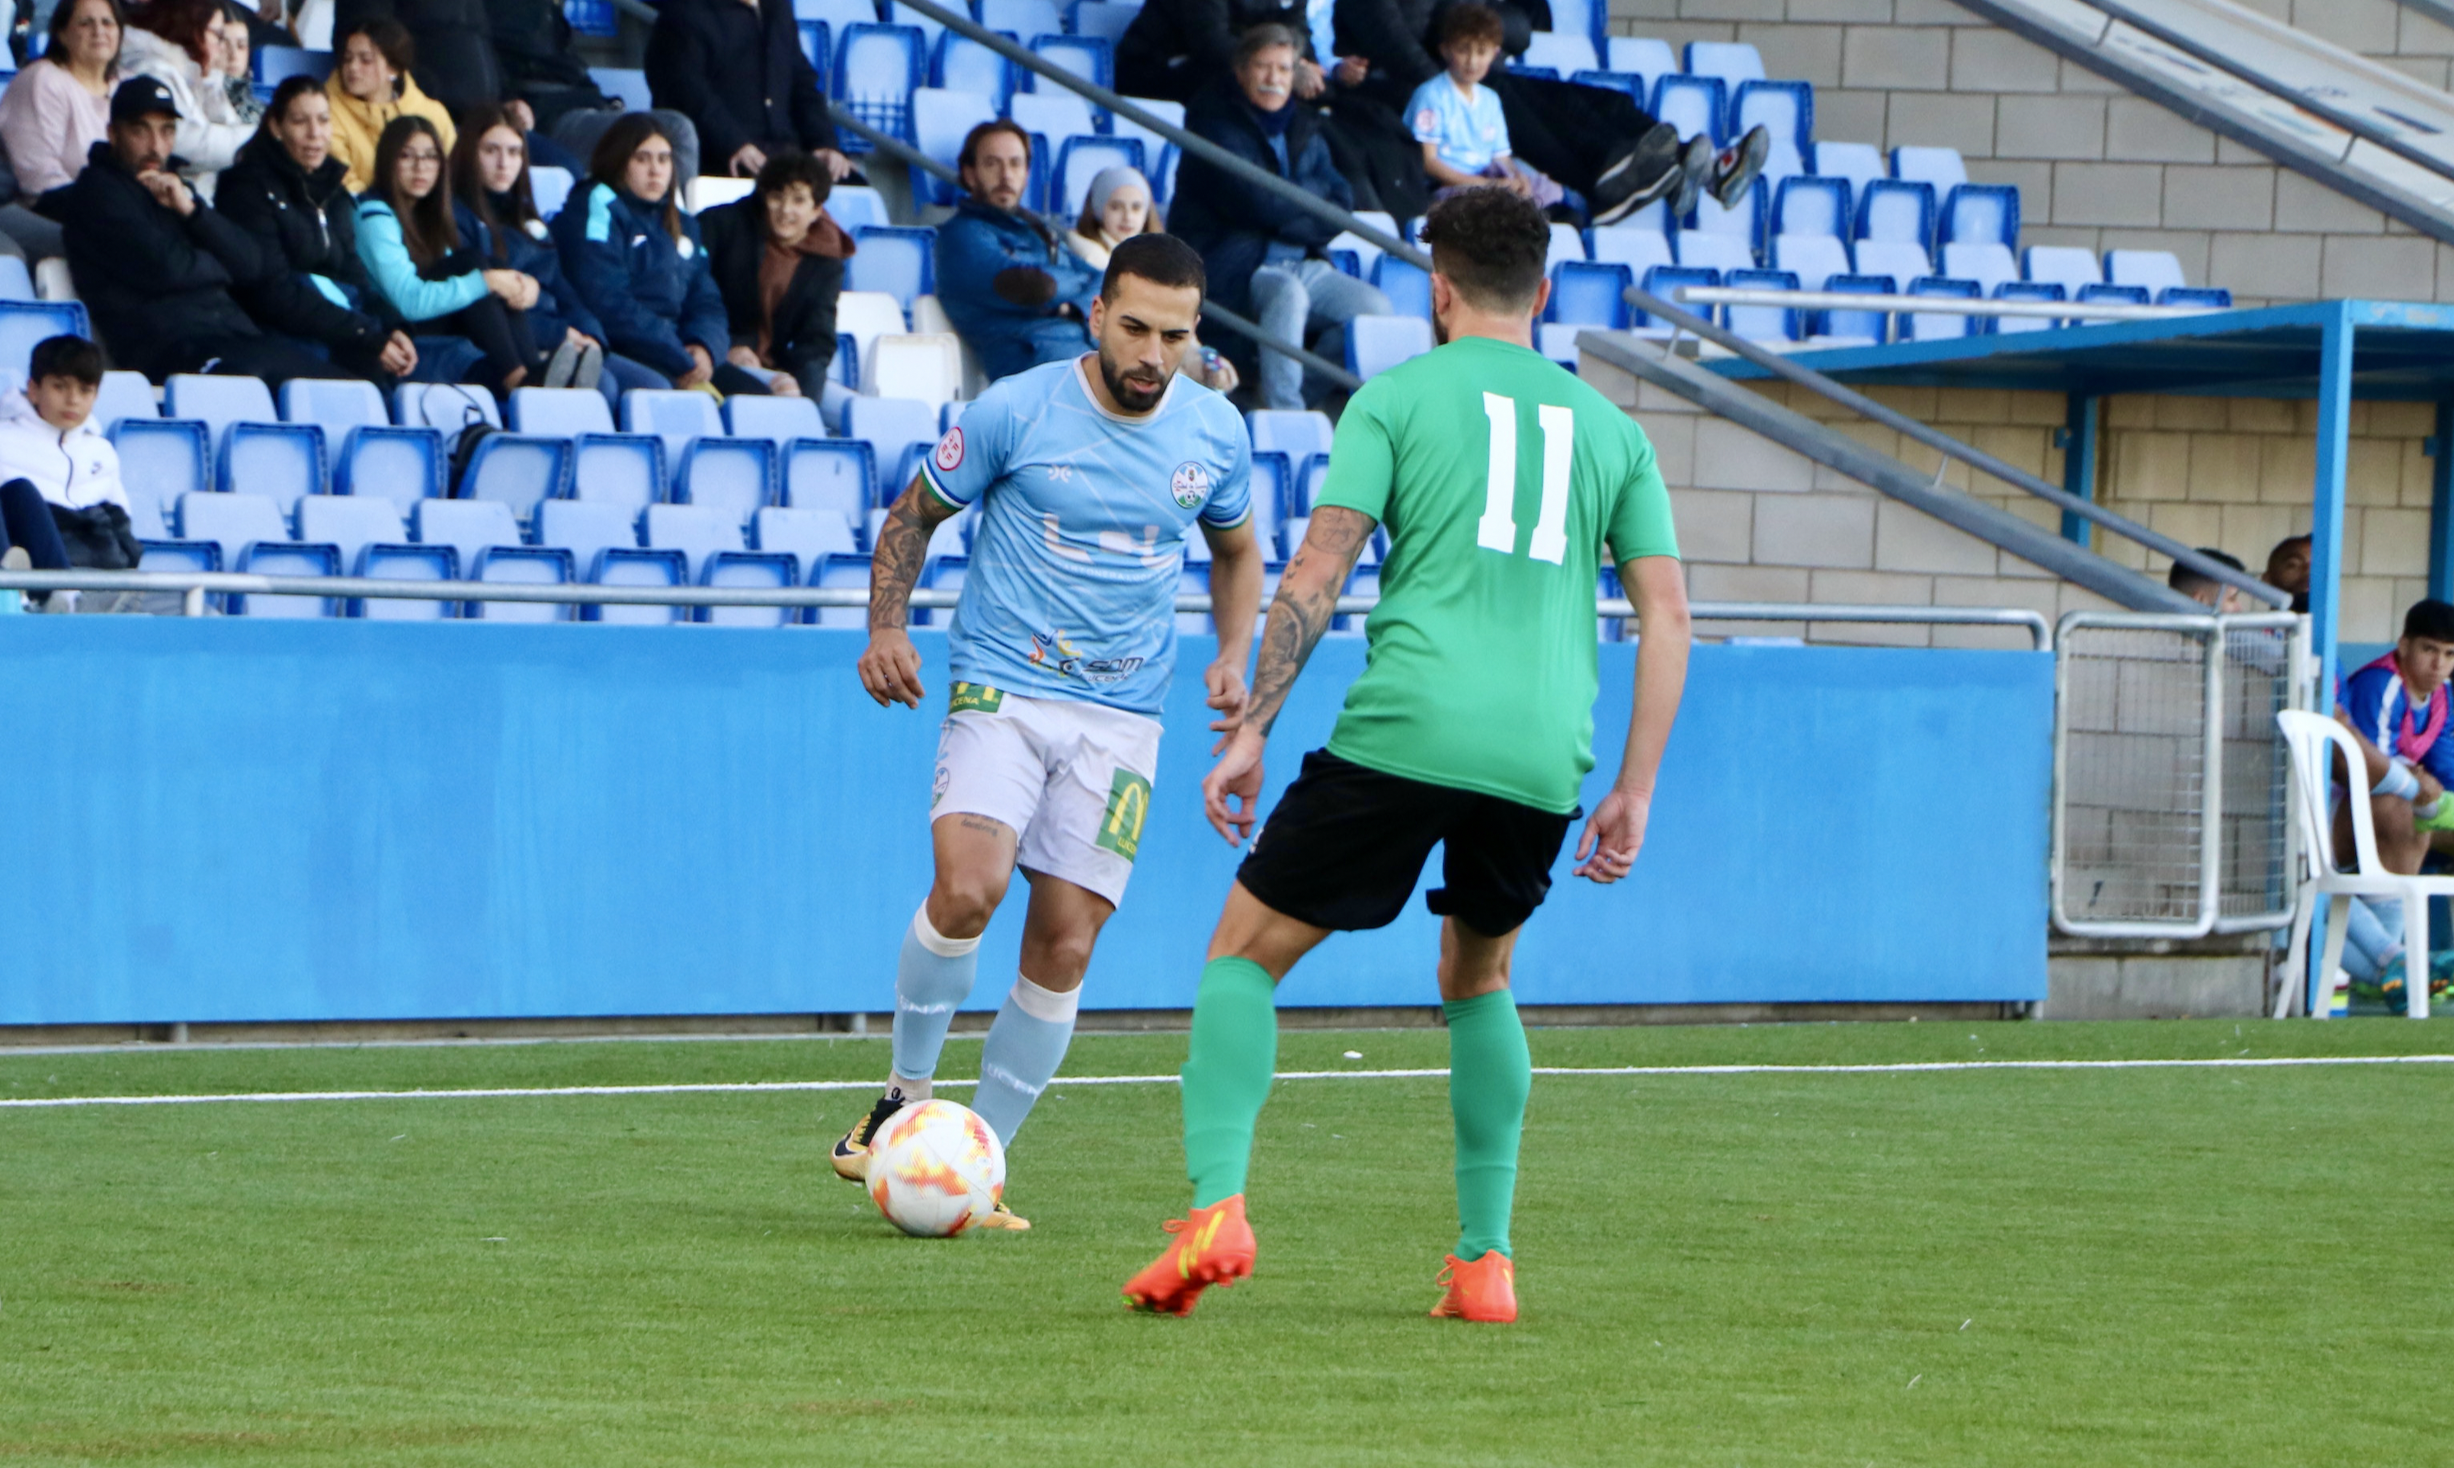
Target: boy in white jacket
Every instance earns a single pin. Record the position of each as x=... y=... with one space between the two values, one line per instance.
x=57 y=471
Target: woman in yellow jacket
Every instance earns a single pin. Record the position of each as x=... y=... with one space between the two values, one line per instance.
x=370 y=85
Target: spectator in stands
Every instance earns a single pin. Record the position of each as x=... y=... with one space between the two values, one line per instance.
x=285 y=189
x=412 y=249
x=2204 y=589
x=370 y=85
x=549 y=90
x=1263 y=252
x=55 y=111
x=2288 y=569
x=497 y=214
x=1116 y=208
x=638 y=262
x=2399 y=703
x=158 y=269
x=449 y=52
x=779 y=260
x=236 y=72
x=735 y=68
x=61 y=503
x=1459 y=121
x=1015 y=293
x=182 y=43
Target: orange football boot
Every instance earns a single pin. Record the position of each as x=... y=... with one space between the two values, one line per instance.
x=1483 y=1290
x=1214 y=1246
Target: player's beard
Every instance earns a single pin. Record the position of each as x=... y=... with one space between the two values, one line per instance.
x=1133 y=394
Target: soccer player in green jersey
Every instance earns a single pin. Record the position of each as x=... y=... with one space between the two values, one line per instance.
x=1501 y=478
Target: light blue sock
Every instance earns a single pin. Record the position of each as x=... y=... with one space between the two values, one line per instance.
x=932 y=980
x=2374 y=934
x=1024 y=1048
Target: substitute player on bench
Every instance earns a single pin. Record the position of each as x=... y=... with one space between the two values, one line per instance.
x=1500 y=478
x=1088 y=475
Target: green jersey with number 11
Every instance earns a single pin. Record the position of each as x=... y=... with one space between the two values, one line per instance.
x=1500 y=477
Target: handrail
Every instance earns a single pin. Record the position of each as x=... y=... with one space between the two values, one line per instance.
x=2090 y=311
x=1951 y=448
x=912 y=157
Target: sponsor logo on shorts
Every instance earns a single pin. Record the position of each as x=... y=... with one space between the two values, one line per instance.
x=950 y=450
x=1190 y=484
x=1120 y=825
x=937 y=787
x=975 y=698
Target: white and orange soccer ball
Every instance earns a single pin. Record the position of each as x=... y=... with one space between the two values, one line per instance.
x=935 y=1169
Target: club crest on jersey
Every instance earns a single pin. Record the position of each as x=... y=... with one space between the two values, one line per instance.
x=1190 y=484
x=950 y=450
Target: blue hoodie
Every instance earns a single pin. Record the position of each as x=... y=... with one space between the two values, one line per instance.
x=654 y=293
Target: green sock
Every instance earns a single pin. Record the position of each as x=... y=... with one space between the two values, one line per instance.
x=1490 y=1073
x=1227 y=1074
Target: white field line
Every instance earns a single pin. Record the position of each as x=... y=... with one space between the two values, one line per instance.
x=735 y=1087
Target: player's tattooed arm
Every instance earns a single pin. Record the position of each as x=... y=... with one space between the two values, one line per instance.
x=1307 y=599
x=890 y=669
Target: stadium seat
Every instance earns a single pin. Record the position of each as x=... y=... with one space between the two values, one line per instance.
x=521 y=565
x=1807 y=205
x=809 y=536
x=2215 y=298
x=853 y=205
x=708 y=192
x=2068 y=266
x=898 y=13
x=517 y=472
x=925 y=366
x=564 y=412
x=940 y=573
x=628 y=565
x=53 y=281
x=1664 y=281
x=232 y=521
x=351 y=522
x=941 y=119
x=1080 y=158
x=1106 y=21
x=218 y=402
x=277 y=64
x=841 y=573
x=1291 y=431
x=1589 y=293
x=698 y=531
x=1902 y=262
x=1154 y=147
x=1567 y=243
x=893 y=261
x=1636 y=248
x=405 y=563
x=1763 y=323
x=1692 y=104
x=1866 y=326
x=1813 y=258
x=1023 y=17
x=1565 y=52
x=1784 y=110
x=627 y=86
x=550 y=187
x=1940 y=168
x=1087 y=57
x=1054 y=113
x=1743 y=221
x=1273 y=479
x=961 y=64
x=1640 y=54
x=160 y=460
x=749 y=415
x=1406 y=284
x=337 y=404
x=1714 y=251
x=1376 y=343
x=165 y=554
x=127 y=395
x=1896 y=211
x=286 y=558
x=585 y=528
x=16 y=281
x=675 y=415
x=1361 y=253
x=2027 y=290
x=2113 y=295
x=1988 y=264
x=1925 y=326
x=877 y=68
x=838 y=474
x=282 y=461
x=448 y=406
x=837 y=14
x=467 y=526
x=24 y=323
x=2157 y=270
x=626 y=469
x=864 y=316
x=735 y=475
x=891 y=426
x=1858 y=164
x=1732 y=61
x=1986 y=213
x=1638 y=89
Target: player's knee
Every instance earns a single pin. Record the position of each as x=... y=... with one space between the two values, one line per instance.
x=1062 y=957
x=961 y=903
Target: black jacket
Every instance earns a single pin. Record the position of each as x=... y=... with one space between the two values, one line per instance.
x=155 y=283
x=308 y=223
x=1233 y=223
x=532 y=40
x=734 y=96
x=456 y=64
x=802 y=334
x=1174 y=48
x=1401 y=38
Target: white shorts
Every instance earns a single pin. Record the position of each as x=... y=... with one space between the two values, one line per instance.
x=1072 y=779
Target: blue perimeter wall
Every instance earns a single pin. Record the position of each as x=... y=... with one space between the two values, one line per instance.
x=259 y=820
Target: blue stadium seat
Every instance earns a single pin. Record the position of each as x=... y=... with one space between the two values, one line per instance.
x=337 y=404
x=1742 y=221
x=124 y=395
x=373 y=458
x=1565 y=52
x=1808 y=205
x=1544 y=73
x=841 y=573
x=467 y=526
x=277 y=64
x=1857 y=164
x=282 y=461
x=1376 y=343
x=2113 y=295
x=961 y=64
x=898 y=261
x=1639 y=89
x=449 y=406
x=838 y=474
x=24 y=323
x=232 y=521
x=1106 y=21
x=351 y=522
x=749 y=415
x=630 y=566
x=1786 y=110
x=626 y=469
x=585 y=528
x=624 y=84
x=1087 y=57
x=1899 y=259
x=287 y=558
x=1636 y=247
x=2027 y=290
x=160 y=459
x=2157 y=270
x=1297 y=432
x=550 y=187
x=940 y=573
x=1023 y=17
x=1273 y=477
x=1581 y=18
x=1079 y=160
x=1940 y=168
x=1714 y=251
x=406 y=563
x=1923 y=326
x=674 y=415
x=1663 y=281
x=521 y=565
x=904 y=15
x=218 y=402
x=699 y=532
x=1732 y=61
x=1640 y=54
x=735 y=475
x=1982 y=213
x=1692 y=104
x=1813 y=258
x=808 y=536
x=877 y=68
x=2068 y=266
x=1894 y=210
x=940 y=121
x=1589 y=293
x=2215 y=298
x=1763 y=323
x=1406 y=284
x=1873 y=326
x=1988 y=264
x=853 y=205
x=762 y=570
x=834 y=15
x=16 y=281
x=560 y=412
x=517 y=472
x=1054 y=113
x=1305 y=489
x=892 y=427
x=1567 y=243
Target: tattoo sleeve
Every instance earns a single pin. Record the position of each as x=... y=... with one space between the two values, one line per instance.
x=903 y=545
x=1307 y=598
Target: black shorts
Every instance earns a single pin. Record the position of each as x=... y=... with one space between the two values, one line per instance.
x=1346 y=845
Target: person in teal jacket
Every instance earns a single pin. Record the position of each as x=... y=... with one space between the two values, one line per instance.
x=637 y=262
x=413 y=253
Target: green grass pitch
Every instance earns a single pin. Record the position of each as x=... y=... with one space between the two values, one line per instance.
x=2181 y=1266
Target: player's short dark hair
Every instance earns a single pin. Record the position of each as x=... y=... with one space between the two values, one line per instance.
x=1492 y=244
x=989 y=129
x=1161 y=259
x=2431 y=619
x=2190 y=583
x=66 y=356
x=1464 y=25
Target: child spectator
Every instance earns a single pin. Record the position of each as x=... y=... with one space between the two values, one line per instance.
x=778 y=261
x=61 y=503
x=1458 y=120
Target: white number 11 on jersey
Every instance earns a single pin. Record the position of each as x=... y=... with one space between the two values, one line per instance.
x=1497 y=530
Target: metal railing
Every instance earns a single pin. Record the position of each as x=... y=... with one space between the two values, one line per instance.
x=2090 y=311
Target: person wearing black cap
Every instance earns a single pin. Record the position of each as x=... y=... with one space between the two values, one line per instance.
x=162 y=273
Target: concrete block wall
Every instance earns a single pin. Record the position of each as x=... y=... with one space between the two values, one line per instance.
x=2095 y=166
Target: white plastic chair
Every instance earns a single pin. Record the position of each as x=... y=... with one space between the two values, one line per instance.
x=2314 y=740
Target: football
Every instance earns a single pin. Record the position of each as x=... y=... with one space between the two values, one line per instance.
x=935 y=1169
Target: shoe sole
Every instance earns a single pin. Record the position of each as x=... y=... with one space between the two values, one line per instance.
x=1753 y=151
x=852 y=1167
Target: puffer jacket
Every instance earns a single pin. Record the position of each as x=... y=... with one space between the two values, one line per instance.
x=75 y=470
x=308 y=222
x=654 y=293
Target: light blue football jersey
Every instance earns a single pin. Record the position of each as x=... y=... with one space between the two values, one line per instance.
x=1083 y=516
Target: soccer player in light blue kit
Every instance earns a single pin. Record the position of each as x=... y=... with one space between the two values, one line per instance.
x=1088 y=476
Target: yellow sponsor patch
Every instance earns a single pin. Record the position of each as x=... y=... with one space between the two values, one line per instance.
x=978 y=697
x=1120 y=825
